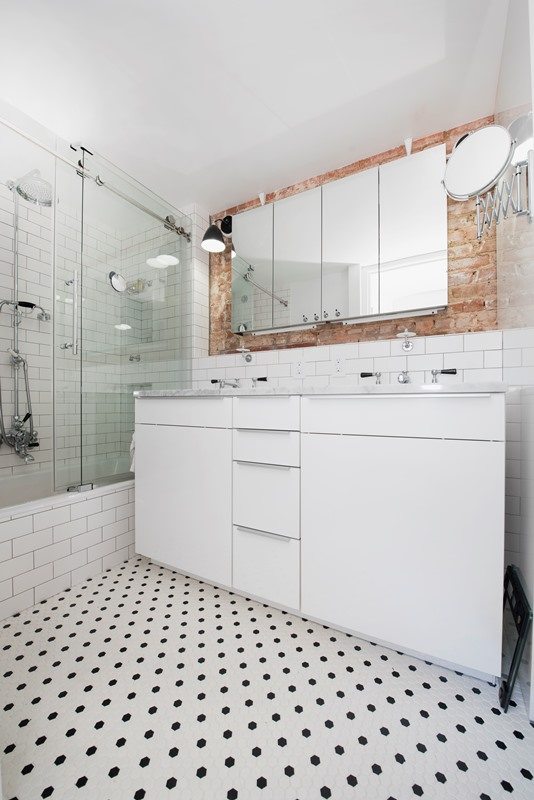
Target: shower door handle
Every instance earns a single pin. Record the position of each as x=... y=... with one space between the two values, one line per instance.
x=74 y=343
x=75 y=313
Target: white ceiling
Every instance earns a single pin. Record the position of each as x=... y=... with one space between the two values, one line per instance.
x=211 y=102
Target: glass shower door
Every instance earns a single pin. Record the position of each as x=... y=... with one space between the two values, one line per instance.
x=67 y=292
x=131 y=319
x=121 y=317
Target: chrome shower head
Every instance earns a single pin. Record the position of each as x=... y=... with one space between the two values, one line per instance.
x=35 y=189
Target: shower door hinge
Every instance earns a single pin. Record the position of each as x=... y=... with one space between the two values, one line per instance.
x=81 y=487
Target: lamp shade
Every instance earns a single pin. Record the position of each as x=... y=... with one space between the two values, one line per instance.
x=213 y=241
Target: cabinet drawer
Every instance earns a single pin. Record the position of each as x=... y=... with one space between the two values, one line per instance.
x=268 y=447
x=195 y=412
x=452 y=416
x=274 y=413
x=267 y=566
x=267 y=498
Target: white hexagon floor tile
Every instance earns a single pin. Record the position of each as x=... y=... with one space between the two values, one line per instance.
x=143 y=683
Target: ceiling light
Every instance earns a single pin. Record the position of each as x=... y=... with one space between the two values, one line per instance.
x=213 y=241
x=162 y=261
x=166 y=260
x=123 y=326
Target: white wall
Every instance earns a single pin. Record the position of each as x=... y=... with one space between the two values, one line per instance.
x=515 y=297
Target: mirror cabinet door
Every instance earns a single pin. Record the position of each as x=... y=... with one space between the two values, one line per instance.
x=297 y=259
x=350 y=246
x=252 y=269
x=413 y=232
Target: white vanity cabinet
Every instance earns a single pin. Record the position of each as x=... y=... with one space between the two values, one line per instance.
x=183 y=486
x=402 y=533
x=380 y=513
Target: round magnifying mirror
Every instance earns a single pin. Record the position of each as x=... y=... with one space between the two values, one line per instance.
x=478 y=161
x=117 y=281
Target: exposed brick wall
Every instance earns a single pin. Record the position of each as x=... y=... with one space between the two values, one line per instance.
x=472 y=304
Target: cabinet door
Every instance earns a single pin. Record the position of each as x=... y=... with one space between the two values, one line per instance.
x=297 y=259
x=402 y=541
x=252 y=269
x=350 y=246
x=183 y=495
x=413 y=232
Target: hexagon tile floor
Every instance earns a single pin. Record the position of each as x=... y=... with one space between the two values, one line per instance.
x=142 y=683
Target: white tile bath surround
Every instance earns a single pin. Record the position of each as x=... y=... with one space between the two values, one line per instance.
x=53 y=544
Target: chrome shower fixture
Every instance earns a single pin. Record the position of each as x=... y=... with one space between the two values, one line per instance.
x=34 y=189
x=42 y=315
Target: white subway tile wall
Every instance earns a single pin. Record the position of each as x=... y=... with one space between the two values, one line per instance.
x=49 y=545
x=35 y=338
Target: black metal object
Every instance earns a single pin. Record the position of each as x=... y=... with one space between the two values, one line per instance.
x=366 y=374
x=448 y=371
x=515 y=597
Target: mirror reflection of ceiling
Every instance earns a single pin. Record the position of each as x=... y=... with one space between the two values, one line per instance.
x=211 y=103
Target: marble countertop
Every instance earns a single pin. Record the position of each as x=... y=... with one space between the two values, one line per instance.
x=364 y=389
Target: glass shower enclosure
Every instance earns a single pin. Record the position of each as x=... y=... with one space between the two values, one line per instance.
x=95 y=308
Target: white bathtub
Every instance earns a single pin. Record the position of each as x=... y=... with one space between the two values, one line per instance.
x=41 y=483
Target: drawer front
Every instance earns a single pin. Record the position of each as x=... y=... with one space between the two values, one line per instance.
x=274 y=413
x=267 y=498
x=195 y=412
x=267 y=447
x=267 y=566
x=458 y=416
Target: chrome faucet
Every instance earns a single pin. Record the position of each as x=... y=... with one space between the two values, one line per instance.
x=255 y=381
x=403 y=376
x=436 y=372
x=377 y=375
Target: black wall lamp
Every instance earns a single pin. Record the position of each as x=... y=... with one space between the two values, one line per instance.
x=213 y=239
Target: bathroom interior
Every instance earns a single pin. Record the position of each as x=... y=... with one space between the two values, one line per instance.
x=267 y=399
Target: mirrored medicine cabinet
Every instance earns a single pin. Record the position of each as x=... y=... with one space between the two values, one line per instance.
x=371 y=244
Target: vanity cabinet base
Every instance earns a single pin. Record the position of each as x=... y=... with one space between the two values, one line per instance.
x=402 y=540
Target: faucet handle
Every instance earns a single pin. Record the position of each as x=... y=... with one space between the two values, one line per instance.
x=436 y=372
x=377 y=375
x=215 y=380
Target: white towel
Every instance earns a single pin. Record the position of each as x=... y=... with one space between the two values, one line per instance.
x=132 y=453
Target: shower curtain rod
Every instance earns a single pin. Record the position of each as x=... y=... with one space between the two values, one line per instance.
x=169 y=221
